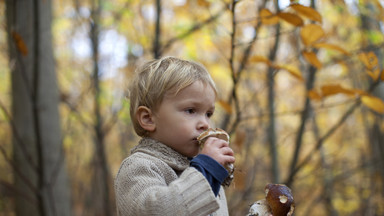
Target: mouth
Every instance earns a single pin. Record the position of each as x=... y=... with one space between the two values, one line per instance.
x=196 y=141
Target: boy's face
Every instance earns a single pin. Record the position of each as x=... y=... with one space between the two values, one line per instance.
x=181 y=118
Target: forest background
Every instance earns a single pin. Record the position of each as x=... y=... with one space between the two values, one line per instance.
x=300 y=92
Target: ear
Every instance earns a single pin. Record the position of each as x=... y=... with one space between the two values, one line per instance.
x=144 y=116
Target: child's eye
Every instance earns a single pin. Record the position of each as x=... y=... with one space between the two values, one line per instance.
x=190 y=111
x=209 y=114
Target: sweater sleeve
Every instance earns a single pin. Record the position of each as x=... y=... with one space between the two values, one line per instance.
x=214 y=172
x=141 y=189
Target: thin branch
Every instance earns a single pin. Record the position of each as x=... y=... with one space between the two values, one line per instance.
x=112 y=121
x=17 y=192
x=19 y=141
x=231 y=63
x=238 y=73
x=24 y=178
x=73 y=109
x=193 y=29
x=326 y=136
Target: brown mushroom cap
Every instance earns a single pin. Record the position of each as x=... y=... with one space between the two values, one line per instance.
x=219 y=133
x=280 y=199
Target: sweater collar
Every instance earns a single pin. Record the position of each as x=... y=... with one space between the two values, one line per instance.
x=163 y=152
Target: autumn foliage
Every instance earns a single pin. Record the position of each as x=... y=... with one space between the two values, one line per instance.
x=300 y=93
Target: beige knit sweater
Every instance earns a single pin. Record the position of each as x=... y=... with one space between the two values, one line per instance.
x=156 y=180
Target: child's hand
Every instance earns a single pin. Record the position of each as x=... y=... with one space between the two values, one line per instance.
x=219 y=150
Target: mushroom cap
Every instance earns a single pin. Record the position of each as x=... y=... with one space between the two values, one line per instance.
x=219 y=133
x=280 y=199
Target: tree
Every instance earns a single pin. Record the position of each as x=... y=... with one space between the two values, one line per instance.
x=299 y=82
x=370 y=26
x=101 y=193
x=39 y=162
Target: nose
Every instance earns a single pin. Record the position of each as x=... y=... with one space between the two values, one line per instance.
x=203 y=124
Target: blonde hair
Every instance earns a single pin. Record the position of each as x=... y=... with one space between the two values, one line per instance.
x=157 y=77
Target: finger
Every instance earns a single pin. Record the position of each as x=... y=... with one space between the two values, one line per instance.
x=227 y=151
x=219 y=143
x=229 y=159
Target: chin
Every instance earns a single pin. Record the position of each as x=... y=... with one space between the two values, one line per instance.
x=192 y=154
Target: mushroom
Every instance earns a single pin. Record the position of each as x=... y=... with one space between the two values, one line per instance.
x=278 y=202
x=279 y=199
x=218 y=133
x=259 y=208
x=221 y=134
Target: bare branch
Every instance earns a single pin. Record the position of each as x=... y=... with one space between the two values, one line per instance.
x=320 y=142
x=18 y=172
x=19 y=141
x=193 y=29
x=237 y=74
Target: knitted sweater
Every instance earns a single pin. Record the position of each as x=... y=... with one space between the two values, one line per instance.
x=157 y=180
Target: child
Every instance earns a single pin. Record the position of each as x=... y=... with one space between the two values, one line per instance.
x=171 y=103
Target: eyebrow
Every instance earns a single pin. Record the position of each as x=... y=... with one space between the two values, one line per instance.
x=196 y=103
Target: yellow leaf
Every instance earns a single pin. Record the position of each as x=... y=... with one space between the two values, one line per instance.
x=257 y=59
x=380 y=9
x=267 y=17
x=226 y=106
x=312 y=59
x=332 y=89
x=331 y=46
x=314 y=95
x=311 y=33
x=294 y=71
x=307 y=12
x=373 y=103
x=291 y=18
x=328 y=90
x=375 y=74
x=20 y=44
x=369 y=59
x=203 y=3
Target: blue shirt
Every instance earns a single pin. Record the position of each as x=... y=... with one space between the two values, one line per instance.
x=214 y=172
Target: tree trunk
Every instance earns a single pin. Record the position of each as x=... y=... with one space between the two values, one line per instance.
x=156 y=41
x=100 y=195
x=271 y=130
x=39 y=171
x=370 y=24
x=304 y=115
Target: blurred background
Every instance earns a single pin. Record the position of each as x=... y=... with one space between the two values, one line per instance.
x=300 y=92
